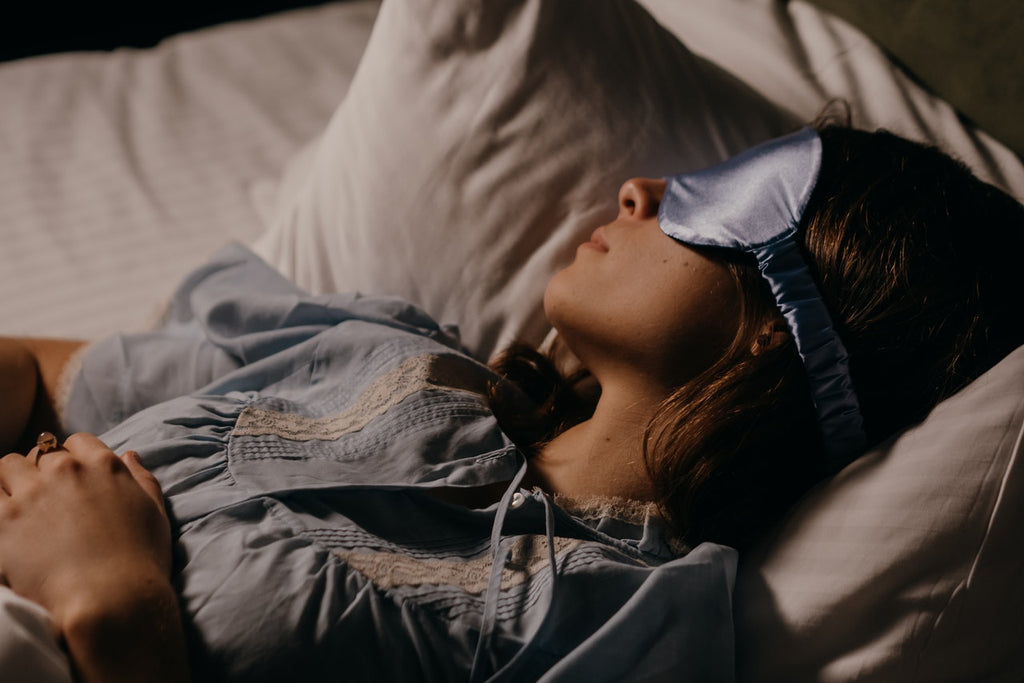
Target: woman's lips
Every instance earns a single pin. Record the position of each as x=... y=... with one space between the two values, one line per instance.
x=597 y=241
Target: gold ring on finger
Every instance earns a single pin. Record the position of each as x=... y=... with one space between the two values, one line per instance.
x=44 y=444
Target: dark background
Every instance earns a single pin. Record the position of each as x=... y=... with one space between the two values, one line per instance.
x=36 y=27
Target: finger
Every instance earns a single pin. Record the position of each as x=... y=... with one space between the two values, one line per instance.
x=36 y=457
x=143 y=477
x=90 y=451
x=45 y=443
x=14 y=468
x=34 y=454
x=86 y=445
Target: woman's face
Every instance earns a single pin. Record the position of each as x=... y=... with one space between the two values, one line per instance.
x=635 y=300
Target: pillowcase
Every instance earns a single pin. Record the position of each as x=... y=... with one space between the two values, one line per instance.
x=481 y=142
x=967 y=52
x=908 y=564
x=799 y=56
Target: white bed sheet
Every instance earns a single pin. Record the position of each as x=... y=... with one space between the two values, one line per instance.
x=121 y=171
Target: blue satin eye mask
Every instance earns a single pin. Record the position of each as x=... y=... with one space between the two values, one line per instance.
x=753 y=203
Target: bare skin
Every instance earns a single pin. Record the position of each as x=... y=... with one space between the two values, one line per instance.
x=644 y=314
x=104 y=571
x=30 y=370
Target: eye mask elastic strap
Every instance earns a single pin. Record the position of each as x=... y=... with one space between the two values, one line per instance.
x=826 y=364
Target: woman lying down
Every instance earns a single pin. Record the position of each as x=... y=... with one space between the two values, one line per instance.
x=350 y=495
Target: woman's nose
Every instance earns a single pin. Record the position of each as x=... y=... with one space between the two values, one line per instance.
x=639 y=197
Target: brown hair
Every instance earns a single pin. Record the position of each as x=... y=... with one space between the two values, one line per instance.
x=916 y=260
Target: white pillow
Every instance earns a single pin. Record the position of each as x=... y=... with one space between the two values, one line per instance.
x=480 y=142
x=909 y=565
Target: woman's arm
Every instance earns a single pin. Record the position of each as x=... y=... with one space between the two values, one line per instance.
x=84 y=534
x=30 y=370
x=130 y=631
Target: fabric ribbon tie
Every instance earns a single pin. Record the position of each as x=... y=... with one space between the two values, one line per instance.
x=482 y=661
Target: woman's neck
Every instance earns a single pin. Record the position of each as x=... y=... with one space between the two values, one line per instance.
x=601 y=456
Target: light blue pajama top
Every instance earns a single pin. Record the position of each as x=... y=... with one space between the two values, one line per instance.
x=295 y=437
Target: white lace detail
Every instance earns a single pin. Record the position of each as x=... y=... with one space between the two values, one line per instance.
x=529 y=555
x=413 y=375
x=597 y=507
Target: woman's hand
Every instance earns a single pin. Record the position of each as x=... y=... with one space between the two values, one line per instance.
x=84 y=533
x=81 y=520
